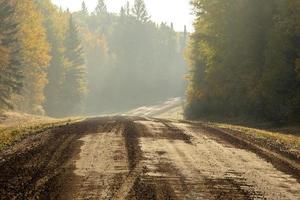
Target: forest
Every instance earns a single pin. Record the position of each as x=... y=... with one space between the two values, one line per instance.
x=60 y=63
x=244 y=59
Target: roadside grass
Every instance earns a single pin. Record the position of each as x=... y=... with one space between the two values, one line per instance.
x=287 y=137
x=174 y=113
x=16 y=126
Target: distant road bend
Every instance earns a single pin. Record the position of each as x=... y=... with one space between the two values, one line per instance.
x=142 y=158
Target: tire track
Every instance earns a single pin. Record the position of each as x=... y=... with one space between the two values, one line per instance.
x=131 y=158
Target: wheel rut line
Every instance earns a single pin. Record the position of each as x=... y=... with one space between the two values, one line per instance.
x=129 y=182
x=280 y=162
x=90 y=183
x=203 y=184
x=138 y=185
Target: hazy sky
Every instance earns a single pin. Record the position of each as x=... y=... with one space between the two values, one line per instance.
x=176 y=11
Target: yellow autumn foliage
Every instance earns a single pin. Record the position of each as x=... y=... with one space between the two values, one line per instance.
x=35 y=52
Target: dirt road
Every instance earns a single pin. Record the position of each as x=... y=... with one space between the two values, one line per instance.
x=123 y=158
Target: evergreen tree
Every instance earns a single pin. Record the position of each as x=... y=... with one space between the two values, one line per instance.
x=100 y=8
x=122 y=12
x=10 y=72
x=84 y=9
x=54 y=22
x=127 y=8
x=139 y=11
x=74 y=83
x=102 y=18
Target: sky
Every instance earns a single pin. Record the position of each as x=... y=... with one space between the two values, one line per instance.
x=176 y=11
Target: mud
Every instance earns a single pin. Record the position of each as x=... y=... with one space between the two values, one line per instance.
x=140 y=158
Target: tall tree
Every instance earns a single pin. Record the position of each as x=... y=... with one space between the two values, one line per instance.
x=100 y=8
x=122 y=12
x=139 y=11
x=10 y=71
x=243 y=58
x=74 y=83
x=84 y=9
x=102 y=18
x=127 y=8
x=34 y=56
x=55 y=23
x=280 y=83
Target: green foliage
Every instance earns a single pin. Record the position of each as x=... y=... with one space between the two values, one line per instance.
x=54 y=22
x=10 y=69
x=74 y=83
x=34 y=56
x=66 y=71
x=243 y=59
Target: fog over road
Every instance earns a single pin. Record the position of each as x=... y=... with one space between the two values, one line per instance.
x=139 y=158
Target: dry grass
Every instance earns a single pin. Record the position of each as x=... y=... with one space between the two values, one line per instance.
x=289 y=137
x=15 y=126
x=174 y=113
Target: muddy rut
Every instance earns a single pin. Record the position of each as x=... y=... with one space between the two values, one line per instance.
x=124 y=158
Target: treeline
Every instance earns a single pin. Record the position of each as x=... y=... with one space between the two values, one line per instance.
x=244 y=59
x=59 y=63
x=41 y=59
x=131 y=61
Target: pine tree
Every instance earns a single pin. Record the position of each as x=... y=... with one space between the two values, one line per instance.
x=183 y=39
x=54 y=22
x=100 y=8
x=122 y=12
x=10 y=71
x=140 y=12
x=74 y=83
x=84 y=9
x=127 y=8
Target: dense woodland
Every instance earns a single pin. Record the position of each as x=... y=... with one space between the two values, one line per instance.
x=244 y=59
x=59 y=63
x=42 y=61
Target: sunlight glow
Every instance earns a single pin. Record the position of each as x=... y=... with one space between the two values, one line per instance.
x=177 y=12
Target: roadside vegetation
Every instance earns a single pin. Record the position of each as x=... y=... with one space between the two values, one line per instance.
x=41 y=58
x=244 y=59
x=244 y=67
x=286 y=138
x=16 y=126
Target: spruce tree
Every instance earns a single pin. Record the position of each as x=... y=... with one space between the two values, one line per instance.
x=122 y=12
x=74 y=84
x=10 y=71
x=127 y=9
x=54 y=22
x=140 y=12
x=100 y=8
x=84 y=9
